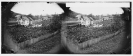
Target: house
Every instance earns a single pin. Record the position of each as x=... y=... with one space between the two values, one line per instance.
x=105 y=18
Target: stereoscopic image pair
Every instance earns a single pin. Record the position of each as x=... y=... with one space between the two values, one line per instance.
x=66 y=27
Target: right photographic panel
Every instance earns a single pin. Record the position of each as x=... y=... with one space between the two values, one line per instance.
x=97 y=28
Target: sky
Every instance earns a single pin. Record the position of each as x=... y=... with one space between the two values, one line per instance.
x=37 y=8
x=42 y=8
x=101 y=8
x=98 y=10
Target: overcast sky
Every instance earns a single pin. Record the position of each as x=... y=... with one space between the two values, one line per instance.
x=97 y=8
x=37 y=8
x=83 y=8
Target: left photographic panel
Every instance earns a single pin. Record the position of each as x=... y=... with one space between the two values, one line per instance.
x=31 y=27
